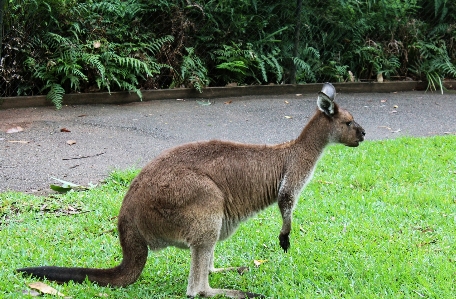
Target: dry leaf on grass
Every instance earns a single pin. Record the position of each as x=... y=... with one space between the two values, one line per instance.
x=45 y=289
x=259 y=262
x=14 y=130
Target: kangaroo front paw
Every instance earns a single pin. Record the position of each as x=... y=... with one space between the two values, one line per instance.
x=284 y=241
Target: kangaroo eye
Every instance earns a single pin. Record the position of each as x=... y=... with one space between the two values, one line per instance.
x=349 y=123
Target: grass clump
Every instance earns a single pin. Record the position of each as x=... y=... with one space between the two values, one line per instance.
x=377 y=221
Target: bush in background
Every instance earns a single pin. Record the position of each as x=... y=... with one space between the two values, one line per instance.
x=62 y=46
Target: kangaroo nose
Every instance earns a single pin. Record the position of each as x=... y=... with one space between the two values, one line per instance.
x=360 y=129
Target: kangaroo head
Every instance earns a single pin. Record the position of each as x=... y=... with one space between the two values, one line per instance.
x=343 y=128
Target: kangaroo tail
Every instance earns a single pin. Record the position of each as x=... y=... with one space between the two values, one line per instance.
x=134 y=249
x=102 y=277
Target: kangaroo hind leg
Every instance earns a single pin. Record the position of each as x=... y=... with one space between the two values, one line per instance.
x=198 y=281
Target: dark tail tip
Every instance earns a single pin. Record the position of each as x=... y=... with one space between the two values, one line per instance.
x=58 y=274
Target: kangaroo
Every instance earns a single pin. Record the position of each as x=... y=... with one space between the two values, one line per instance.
x=196 y=194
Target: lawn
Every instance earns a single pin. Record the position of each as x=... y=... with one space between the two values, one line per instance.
x=377 y=221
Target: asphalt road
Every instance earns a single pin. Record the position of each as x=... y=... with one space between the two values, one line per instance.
x=107 y=137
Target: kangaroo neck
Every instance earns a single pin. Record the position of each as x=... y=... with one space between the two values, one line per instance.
x=314 y=137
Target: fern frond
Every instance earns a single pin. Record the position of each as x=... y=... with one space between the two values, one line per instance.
x=94 y=61
x=55 y=95
x=262 y=68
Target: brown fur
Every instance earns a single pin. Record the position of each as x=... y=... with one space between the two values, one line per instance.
x=196 y=194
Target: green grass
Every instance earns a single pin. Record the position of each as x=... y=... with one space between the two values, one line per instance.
x=377 y=221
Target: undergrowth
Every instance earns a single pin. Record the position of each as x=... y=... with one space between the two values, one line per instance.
x=58 y=47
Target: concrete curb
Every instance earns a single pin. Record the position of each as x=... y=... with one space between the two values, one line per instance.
x=212 y=92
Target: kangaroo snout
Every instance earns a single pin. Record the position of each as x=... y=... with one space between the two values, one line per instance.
x=360 y=132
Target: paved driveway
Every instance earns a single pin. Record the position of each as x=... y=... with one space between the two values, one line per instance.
x=107 y=137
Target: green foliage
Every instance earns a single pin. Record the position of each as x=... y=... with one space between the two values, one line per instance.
x=434 y=64
x=193 y=73
x=247 y=66
x=132 y=45
x=93 y=46
x=375 y=61
x=307 y=65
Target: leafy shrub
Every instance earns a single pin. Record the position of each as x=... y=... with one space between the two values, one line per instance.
x=141 y=44
x=193 y=73
x=92 y=46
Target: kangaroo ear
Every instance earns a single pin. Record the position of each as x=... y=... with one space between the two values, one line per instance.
x=325 y=101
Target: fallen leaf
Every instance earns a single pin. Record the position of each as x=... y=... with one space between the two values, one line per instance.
x=45 y=289
x=228 y=102
x=14 y=130
x=96 y=44
x=259 y=262
x=64 y=130
x=66 y=184
x=60 y=189
x=289 y=117
x=384 y=101
x=286 y=102
x=325 y=182
x=19 y=141
x=299 y=94
x=395 y=106
x=396 y=131
x=82 y=115
x=71 y=142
